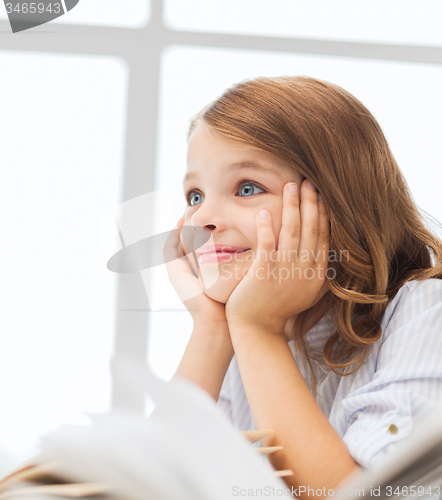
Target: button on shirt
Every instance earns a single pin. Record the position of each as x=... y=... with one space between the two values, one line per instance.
x=399 y=383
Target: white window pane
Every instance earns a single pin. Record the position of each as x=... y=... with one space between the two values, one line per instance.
x=404 y=97
x=395 y=21
x=62 y=128
x=127 y=14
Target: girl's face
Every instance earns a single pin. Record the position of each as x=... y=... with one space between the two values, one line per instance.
x=227 y=184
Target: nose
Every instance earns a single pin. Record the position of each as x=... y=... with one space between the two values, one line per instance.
x=207 y=226
x=191 y=220
x=207 y=216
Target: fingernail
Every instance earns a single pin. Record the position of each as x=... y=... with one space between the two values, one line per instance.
x=320 y=198
x=293 y=188
x=263 y=214
x=310 y=185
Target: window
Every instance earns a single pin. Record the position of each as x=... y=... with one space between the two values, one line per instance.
x=61 y=155
x=127 y=14
x=395 y=21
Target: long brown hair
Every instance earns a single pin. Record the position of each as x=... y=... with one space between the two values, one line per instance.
x=331 y=138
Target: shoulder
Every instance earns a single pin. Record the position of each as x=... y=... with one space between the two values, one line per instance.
x=411 y=329
x=402 y=378
x=416 y=299
x=420 y=288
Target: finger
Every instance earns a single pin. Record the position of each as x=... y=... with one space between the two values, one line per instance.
x=179 y=270
x=172 y=246
x=266 y=238
x=322 y=247
x=174 y=258
x=180 y=225
x=309 y=223
x=289 y=236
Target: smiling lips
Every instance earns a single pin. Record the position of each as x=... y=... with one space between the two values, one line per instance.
x=218 y=252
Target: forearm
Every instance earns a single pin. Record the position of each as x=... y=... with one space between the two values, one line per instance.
x=281 y=400
x=207 y=357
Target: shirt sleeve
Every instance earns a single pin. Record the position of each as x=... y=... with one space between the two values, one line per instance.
x=407 y=383
x=224 y=402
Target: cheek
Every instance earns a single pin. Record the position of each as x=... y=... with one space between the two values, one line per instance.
x=249 y=223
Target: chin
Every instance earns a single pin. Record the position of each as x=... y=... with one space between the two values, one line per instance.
x=220 y=282
x=221 y=290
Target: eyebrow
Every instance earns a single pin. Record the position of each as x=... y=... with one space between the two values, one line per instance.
x=242 y=165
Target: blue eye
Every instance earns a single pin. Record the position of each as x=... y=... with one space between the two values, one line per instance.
x=198 y=198
x=246 y=189
x=249 y=189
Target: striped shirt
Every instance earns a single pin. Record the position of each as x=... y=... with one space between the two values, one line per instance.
x=398 y=385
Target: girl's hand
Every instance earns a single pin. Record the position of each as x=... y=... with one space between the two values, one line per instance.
x=282 y=283
x=202 y=308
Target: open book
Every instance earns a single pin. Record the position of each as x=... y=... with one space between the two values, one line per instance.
x=186 y=449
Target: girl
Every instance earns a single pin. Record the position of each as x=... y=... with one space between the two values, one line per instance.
x=323 y=312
